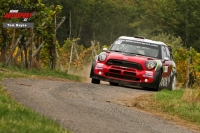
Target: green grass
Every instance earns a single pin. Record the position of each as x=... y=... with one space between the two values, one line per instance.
x=15 y=118
x=45 y=73
x=177 y=103
x=181 y=106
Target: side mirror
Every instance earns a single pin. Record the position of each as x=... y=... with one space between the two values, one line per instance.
x=170 y=49
x=105 y=49
x=166 y=59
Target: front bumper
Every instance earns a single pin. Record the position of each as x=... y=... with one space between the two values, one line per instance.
x=117 y=74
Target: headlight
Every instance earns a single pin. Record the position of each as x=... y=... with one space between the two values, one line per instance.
x=102 y=57
x=151 y=64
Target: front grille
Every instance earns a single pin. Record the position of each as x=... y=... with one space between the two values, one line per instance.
x=122 y=76
x=114 y=71
x=129 y=73
x=123 y=63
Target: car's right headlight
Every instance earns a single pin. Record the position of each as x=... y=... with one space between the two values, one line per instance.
x=151 y=64
x=102 y=57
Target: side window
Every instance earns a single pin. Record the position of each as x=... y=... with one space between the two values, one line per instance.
x=167 y=51
x=164 y=52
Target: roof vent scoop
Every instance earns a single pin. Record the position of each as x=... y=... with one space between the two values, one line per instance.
x=141 y=37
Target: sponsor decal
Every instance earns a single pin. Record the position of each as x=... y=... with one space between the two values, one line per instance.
x=148 y=74
x=136 y=42
x=99 y=66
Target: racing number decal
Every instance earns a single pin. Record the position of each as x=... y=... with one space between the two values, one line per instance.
x=167 y=71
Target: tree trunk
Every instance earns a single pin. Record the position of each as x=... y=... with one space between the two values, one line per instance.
x=26 y=57
x=37 y=46
x=37 y=51
x=12 y=50
x=22 y=48
x=70 y=25
x=31 y=50
x=12 y=44
x=70 y=60
x=54 y=47
x=3 y=49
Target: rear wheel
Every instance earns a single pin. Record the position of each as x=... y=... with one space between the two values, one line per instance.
x=172 y=85
x=114 y=84
x=95 y=81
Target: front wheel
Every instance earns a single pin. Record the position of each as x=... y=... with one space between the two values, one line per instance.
x=158 y=88
x=172 y=85
x=95 y=81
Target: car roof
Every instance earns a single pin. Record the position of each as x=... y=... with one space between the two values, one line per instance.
x=142 y=39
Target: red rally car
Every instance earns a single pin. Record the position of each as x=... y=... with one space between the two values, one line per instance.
x=136 y=61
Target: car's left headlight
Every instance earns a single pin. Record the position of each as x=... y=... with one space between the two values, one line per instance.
x=151 y=64
x=102 y=57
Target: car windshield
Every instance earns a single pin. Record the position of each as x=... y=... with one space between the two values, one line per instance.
x=136 y=47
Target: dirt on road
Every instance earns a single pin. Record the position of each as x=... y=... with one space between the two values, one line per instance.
x=88 y=108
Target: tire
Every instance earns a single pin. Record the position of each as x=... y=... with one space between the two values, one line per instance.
x=114 y=84
x=92 y=71
x=172 y=85
x=95 y=81
x=159 y=79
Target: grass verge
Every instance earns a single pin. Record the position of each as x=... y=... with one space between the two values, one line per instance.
x=43 y=72
x=181 y=106
x=15 y=118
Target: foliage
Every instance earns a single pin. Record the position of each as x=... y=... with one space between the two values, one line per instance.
x=181 y=57
x=100 y=20
x=80 y=60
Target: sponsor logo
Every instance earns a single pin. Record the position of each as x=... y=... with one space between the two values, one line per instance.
x=17 y=14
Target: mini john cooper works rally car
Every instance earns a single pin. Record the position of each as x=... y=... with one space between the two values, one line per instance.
x=135 y=61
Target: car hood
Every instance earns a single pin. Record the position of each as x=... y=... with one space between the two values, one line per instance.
x=128 y=57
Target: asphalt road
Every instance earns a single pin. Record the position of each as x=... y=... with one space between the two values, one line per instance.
x=88 y=108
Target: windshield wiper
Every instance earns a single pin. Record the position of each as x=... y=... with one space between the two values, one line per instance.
x=115 y=50
x=137 y=53
x=134 y=53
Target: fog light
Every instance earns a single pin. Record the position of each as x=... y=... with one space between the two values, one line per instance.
x=100 y=72
x=146 y=80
